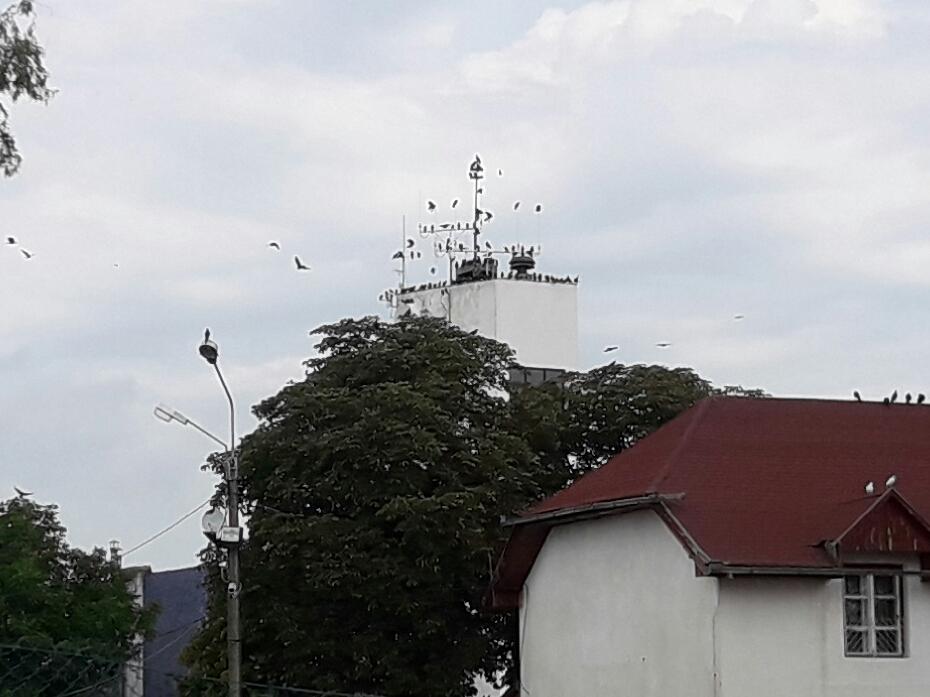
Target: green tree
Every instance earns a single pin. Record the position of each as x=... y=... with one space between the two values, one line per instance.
x=67 y=619
x=376 y=486
x=22 y=73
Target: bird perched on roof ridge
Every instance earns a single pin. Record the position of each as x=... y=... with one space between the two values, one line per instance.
x=921 y=397
x=894 y=396
x=857 y=395
x=907 y=398
x=870 y=488
x=891 y=481
x=886 y=401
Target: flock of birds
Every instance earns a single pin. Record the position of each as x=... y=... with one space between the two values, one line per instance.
x=666 y=344
x=893 y=397
x=297 y=262
x=12 y=242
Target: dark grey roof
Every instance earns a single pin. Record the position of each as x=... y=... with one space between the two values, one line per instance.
x=182 y=599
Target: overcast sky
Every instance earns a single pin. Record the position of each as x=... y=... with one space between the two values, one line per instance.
x=696 y=159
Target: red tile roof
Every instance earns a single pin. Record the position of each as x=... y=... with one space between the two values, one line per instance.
x=751 y=482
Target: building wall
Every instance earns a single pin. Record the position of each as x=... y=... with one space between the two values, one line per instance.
x=781 y=636
x=613 y=607
x=539 y=320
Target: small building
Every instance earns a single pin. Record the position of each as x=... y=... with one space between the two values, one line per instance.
x=181 y=599
x=762 y=547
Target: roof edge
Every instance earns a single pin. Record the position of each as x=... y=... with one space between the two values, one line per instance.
x=592 y=510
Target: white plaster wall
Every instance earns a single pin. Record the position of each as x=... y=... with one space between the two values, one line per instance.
x=539 y=321
x=612 y=607
x=784 y=636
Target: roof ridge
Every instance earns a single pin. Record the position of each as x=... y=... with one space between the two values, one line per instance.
x=700 y=410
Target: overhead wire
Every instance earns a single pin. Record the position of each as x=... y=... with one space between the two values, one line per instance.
x=165 y=530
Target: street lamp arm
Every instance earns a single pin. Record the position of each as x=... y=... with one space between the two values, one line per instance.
x=232 y=410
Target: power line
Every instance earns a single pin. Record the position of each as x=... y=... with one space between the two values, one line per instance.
x=166 y=530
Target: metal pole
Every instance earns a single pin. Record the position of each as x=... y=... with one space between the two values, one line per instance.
x=233 y=625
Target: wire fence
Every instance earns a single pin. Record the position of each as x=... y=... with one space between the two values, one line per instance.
x=58 y=671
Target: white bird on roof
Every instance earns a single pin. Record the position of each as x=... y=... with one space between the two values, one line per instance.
x=870 y=488
x=891 y=481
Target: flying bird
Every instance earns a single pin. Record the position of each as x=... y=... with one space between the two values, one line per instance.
x=487 y=216
x=663 y=344
x=432 y=270
x=11 y=240
x=398 y=255
x=26 y=254
x=738 y=317
x=275 y=245
x=891 y=481
x=538 y=208
x=22 y=494
x=455 y=203
x=500 y=173
x=870 y=488
x=857 y=396
x=488 y=245
x=516 y=205
x=610 y=348
x=410 y=242
x=300 y=265
x=430 y=206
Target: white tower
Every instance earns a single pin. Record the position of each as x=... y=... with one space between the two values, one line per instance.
x=535 y=314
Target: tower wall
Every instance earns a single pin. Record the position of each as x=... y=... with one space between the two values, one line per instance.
x=538 y=319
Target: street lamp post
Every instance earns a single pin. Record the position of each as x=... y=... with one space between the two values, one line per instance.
x=210 y=352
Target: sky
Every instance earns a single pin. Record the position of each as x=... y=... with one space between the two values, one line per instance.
x=696 y=159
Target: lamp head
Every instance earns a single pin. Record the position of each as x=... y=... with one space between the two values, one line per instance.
x=210 y=351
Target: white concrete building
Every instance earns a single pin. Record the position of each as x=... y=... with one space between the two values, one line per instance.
x=535 y=314
x=734 y=553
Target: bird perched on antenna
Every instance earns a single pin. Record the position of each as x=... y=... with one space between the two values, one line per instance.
x=891 y=481
x=300 y=265
x=20 y=493
x=870 y=488
x=857 y=395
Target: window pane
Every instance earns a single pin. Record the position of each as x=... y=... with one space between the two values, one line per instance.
x=885 y=611
x=853 y=585
x=884 y=585
x=855 y=612
x=886 y=642
x=855 y=642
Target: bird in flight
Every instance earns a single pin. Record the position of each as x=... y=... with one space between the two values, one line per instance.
x=664 y=344
x=275 y=245
x=11 y=240
x=610 y=348
x=430 y=206
x=432 y=270
x=26 y=254
x=500 y=173
x=538 y=208
x=516 y=205
x=488 y=245
x=410 y=242
x=398 y=255
x=487 y=216
x=455 y=203
x=739 y=317
x=22 y=494
x=300 y=265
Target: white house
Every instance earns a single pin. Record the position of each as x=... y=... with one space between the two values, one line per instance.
x=739 y=551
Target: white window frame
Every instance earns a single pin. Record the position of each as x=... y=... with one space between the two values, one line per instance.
x=867 y=597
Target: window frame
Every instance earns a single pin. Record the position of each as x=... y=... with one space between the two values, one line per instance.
x=868 y=627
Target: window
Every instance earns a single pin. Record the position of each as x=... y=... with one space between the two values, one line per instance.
x=873 y=616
